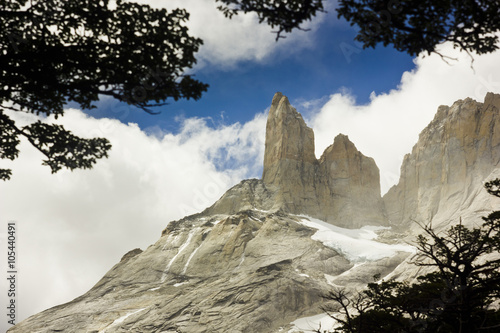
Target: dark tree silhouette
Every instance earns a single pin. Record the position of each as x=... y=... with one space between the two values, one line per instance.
x=284 y=15
x=54 y=51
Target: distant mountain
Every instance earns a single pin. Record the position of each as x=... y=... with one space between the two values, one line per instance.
x=264 y=254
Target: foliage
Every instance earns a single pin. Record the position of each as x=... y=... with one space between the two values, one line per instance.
x=418 y=26
x=458 y=296
x=410 y=26
x=53 y=52
x=285 y=15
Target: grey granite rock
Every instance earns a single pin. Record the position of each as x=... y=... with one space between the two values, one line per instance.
x=247 y=272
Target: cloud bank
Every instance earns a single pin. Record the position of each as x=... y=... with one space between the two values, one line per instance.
x=74 y=226
x=230 y=41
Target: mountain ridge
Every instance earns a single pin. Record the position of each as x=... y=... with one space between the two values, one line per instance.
x=264 y=253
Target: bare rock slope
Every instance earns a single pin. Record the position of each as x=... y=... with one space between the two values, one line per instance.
x=247 y=272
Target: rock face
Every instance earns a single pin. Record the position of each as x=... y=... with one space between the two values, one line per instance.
x=251 y=262
x=442 y=179
x=348 y=187
x=248 y=194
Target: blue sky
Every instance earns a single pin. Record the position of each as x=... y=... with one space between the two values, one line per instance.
x=333 y=62
x=78 y=224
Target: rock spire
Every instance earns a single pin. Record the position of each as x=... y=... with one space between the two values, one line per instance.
x=342 y=187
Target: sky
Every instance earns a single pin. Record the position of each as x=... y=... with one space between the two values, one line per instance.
x=74 y=226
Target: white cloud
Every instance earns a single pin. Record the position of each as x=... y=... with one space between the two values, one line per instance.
x=230 y=41
x=74 y=226
x=388 y=126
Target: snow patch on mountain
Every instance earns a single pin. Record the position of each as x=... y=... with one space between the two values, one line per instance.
x=356 y=245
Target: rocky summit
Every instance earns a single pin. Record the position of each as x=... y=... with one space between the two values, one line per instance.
x=263 y=255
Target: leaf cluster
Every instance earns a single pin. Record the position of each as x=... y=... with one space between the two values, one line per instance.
x=53 y=52
x=419 y=26
x=285 y=15
x=57 y=51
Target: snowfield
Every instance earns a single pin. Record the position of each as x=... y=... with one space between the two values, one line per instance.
x=357 y=245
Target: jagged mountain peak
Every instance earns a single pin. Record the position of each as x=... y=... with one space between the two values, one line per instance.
x=342 y=187
x=287 y=137
x=344 y=148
